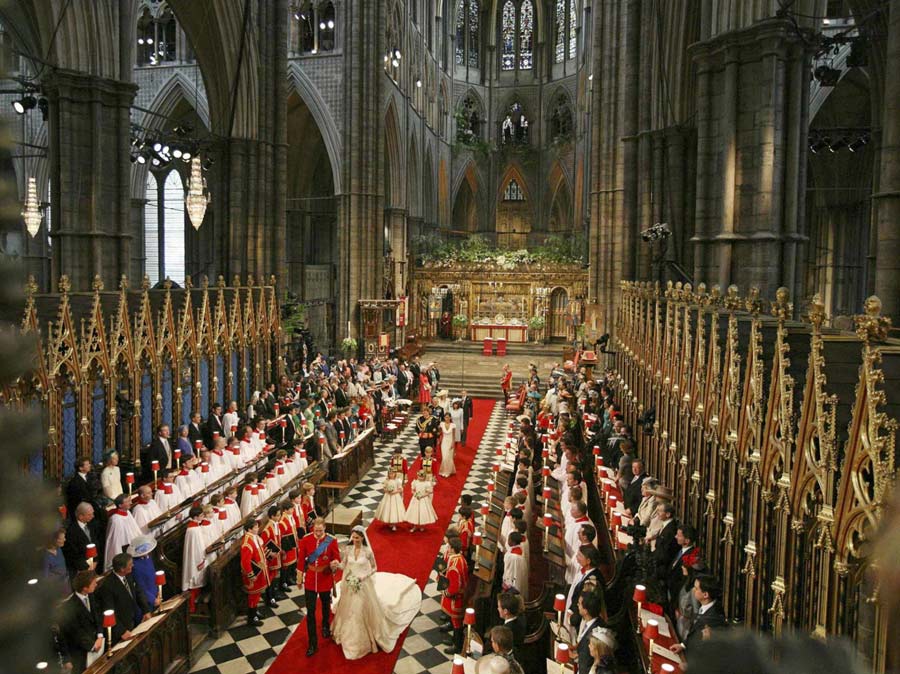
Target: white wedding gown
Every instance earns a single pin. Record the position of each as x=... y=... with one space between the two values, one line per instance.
x=375 y=616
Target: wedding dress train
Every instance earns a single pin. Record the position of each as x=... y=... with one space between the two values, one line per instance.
x=372 y=608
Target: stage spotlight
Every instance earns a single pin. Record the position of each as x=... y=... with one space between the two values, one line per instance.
x=24 y=104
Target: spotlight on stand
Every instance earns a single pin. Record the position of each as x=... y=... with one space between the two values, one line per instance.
x=24 y=104
x=827 y=76
x=658 y=232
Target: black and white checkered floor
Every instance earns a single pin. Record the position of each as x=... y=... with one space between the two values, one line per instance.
x=243 y=649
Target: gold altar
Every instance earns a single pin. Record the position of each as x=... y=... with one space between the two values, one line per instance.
x=499 y=301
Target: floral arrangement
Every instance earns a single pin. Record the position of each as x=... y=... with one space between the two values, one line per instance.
x=556 y=249
x=349 y=346
x=421 y=493
x=353 y=583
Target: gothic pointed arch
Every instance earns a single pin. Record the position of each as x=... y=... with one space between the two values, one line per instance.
x=515 y=213
x=560 y=217
x=467 y=201
x=413 y=180
x=470 y=118
x=393 y=154
x=429 y=177
x=301 y=83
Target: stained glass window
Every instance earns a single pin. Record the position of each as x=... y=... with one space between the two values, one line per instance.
x=561 y=30
x=573 y=25
x=151 y=230
x=526 y=35
x=473 y=33
x=508 y=36
x=173 y=232
x=461 y=33
x=513 y=192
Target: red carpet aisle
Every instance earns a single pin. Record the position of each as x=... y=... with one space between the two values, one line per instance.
x=400 y=551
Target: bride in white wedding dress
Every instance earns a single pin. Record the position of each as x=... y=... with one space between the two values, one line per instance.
x=372 y=607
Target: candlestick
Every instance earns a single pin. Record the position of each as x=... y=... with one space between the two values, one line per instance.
x=640 y=594
x=469 y=622
x=559 y=605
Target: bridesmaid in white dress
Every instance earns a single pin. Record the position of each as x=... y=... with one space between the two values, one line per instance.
x=372 y=607
x=391 y=510
x=448 y=442
x=420 y=512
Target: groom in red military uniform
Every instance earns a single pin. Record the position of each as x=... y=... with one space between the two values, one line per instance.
x=320 y=556
x=452 y=603
x=254 y=570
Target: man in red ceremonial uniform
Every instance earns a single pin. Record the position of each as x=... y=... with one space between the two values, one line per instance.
x=271 y=538
x=288 y=531
x=452 y=602
x=320 y=556
x=254 y=571
x=506 y=381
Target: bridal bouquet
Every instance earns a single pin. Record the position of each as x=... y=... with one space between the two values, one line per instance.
x=353 y=583
x=390 y=488
x=421 y=493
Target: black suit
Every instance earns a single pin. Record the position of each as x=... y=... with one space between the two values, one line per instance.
x=79 y=628
x=519 y=628
x=467 y=409
x=714 y=618
x=666 y=548
x=80 y=490
x=592 y=577
x=674 y=578
x=632 y=496
x=340 y=398
x=213 y=425
x=129 y=603
x=76 y=542
x=195 y=433
x=402 y=385
x=585 y=659
x=157 y=452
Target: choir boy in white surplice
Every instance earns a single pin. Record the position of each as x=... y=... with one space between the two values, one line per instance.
x=515 y=566
x=506 y=524
x=230 y=504
x=194 y=566
x=145 y=509
x=579 y=517
x=121 y=530
x=230 y=419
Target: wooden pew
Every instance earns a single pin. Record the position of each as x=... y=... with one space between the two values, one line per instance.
x=356 y=459
x=163 y=649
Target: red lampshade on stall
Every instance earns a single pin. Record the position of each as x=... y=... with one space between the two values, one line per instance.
x=545 y=453
x=129 y=478
x=666 y=667
x=168 y=488
x=233 y=429
x=160 y=578
x=477 y=538
x=545 y=471
x=215 y=435
x=154 y=465
x=562 y=653
x=458 y=666
x=485 y=509
x=470 y=616
x=651 y=630
x=496 y=467
x=176 y=453
x=198 y=444
x=223 y=515
x=204 y=467
x=617 y=520
x=90 y=551
x=109 y=618
x=640 y=593
x=280 y=470
x=547 y=492
x=559 y=602
x=500 y=451
x=548 y=520
x=490 y=486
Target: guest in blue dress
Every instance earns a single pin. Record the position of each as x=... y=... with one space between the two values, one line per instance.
x=54 y=564
x=184 y=442
x=144 y=571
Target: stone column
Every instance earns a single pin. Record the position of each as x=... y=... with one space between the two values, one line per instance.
x=887 y=200
x=751 y=155
x=360 y=215
x=89 y=142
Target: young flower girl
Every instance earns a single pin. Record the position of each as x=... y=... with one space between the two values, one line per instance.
x=420 y=512
x=390 y=510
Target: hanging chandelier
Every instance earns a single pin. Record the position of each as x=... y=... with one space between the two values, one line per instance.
x=196 y=200
x=32 y=212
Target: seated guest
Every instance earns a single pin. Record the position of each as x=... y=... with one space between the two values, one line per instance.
x=121 y=594
x=602 y=649
x=143 y=570
x=111 y=477
x=120 y=530
x=589 y=606
x=145 y=509
x=54 y=564
x=84 y=530
x=710 y=615
x=82 y=487
x=80 y=624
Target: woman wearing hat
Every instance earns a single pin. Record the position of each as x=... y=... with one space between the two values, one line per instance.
x=144 y=572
